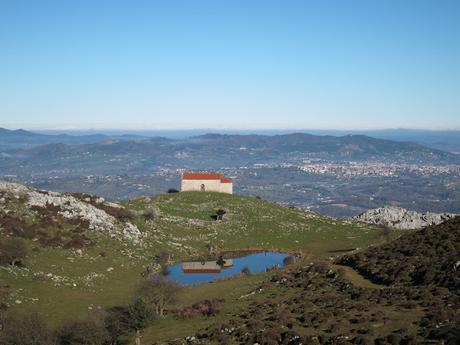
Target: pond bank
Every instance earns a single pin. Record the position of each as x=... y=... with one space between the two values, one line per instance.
x=236 y=251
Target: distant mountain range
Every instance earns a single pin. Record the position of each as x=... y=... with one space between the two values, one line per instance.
x=445 y=140
x=13 y=139
x=216 y=150
x=270 y=166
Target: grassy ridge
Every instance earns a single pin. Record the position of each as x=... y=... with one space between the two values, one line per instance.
x=183 y=221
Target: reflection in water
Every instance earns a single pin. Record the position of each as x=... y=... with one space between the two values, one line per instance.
x=191 y=273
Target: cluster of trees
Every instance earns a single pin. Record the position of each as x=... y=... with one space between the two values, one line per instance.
x=33 y=330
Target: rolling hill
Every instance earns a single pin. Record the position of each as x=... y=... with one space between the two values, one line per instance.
x=320 y=303
x=84 y=253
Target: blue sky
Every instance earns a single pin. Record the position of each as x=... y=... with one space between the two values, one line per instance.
x=230 y=64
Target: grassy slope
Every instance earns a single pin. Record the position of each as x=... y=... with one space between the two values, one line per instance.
x=185 y=219
x=182 y=226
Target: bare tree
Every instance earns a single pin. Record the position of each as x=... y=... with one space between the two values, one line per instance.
x=163 y=259
x=158 y=293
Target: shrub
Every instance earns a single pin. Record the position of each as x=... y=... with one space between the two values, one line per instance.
x=78 y=241
x=320 y=266
x=207 y=307
x=269 y=336
x=12 y=251
x=173 y=190
x=17 y=227
x=246 y=271
x=220 y=261
x=82 y=224
x=123 y=214
x=87 y=332
x=55 y=240
x=118 y=322
x=139 y=314
x=288 y=260
x=220 y=214
x=203 y=308
x=29 y=330
x=149 y=215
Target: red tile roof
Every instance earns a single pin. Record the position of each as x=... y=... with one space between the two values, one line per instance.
x=206 y=176
x=201 y=176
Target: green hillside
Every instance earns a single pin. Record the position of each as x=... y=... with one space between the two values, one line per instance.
x=68 y=283
x=183 y=224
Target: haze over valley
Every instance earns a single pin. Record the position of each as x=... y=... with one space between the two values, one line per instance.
x=338 y=176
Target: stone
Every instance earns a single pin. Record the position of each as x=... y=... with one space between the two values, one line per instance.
x=400 y=218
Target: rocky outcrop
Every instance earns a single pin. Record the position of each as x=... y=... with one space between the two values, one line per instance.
x=70 y=207
x=400 y=218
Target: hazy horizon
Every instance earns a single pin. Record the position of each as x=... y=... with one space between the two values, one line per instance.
x=217 y=129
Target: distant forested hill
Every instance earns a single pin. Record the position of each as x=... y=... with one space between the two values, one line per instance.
x=214 y=150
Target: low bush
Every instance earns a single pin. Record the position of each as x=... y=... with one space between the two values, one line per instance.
x=149 y=215
x=87 y=332
x=202 y=308
x=28 y=330
x=78 y=241
x=288 y=260
x=246 y=271
x=12 y=251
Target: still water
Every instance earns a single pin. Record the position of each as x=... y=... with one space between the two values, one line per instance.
x=256 y=263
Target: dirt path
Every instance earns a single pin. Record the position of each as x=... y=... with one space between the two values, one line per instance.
x=357 y=279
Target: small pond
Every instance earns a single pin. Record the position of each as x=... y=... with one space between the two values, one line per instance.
x=256 y=263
